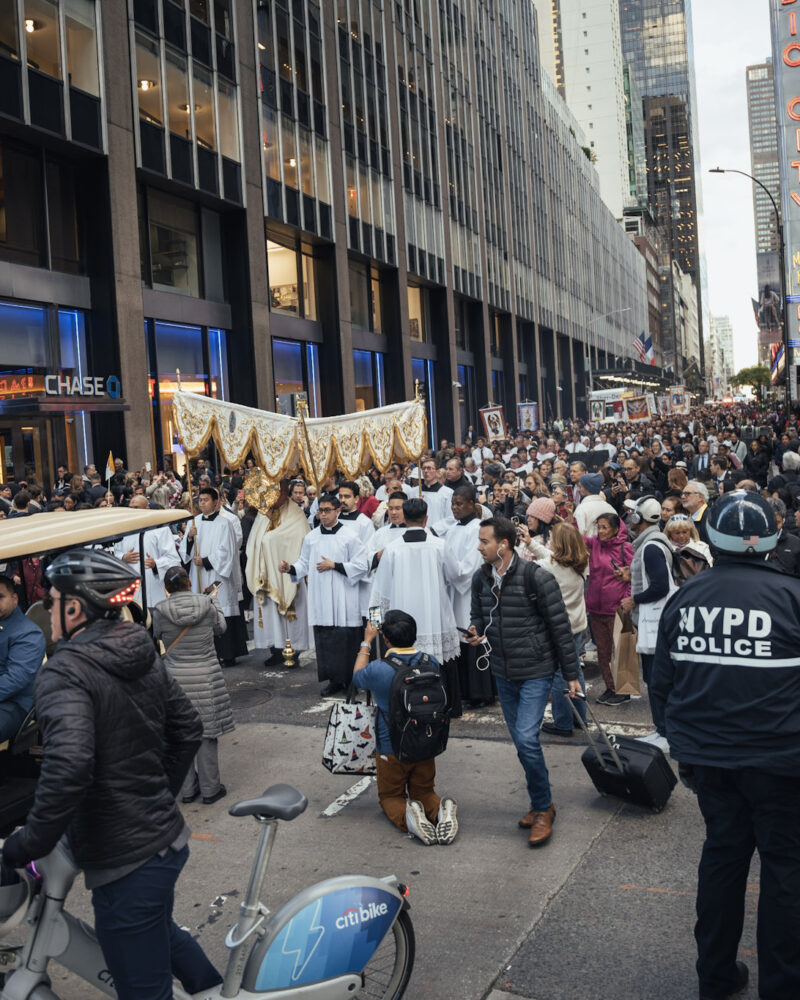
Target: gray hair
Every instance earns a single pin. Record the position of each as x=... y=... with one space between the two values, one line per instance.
x=791 y=461
x=701 y=488
x=778 y=506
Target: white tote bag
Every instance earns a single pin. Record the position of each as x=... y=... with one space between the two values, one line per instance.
x=350 y=738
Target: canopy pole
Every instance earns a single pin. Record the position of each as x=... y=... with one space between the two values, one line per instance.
x=302 y=406
x=196 y=545
x=418 y=399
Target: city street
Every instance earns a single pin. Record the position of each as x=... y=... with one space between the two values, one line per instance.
x=605 y=910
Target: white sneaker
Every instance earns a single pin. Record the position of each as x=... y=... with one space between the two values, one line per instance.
x=590 y=647
x=656 y=740
x=446 y=822
x=418 y=823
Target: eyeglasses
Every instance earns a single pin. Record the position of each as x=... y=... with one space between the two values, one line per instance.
x=678 y=517
x=689 y=493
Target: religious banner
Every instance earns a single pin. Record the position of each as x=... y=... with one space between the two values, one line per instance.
x=679 y=401
x=598 y=410
x=282 y=445
x=528 y=416
x=664 y=406
x=637 y=409
x=494 y=423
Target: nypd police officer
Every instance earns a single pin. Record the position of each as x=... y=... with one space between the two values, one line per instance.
x=727 y=679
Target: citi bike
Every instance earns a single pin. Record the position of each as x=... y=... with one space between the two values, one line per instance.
x=347 y=937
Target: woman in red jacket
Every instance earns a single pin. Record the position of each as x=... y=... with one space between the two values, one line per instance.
x=607 y=550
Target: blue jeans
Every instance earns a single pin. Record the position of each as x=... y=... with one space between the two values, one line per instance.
x=523 y=704
x=142 y=945
x=562 y=713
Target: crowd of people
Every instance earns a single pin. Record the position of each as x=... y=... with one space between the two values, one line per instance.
x=501 y=563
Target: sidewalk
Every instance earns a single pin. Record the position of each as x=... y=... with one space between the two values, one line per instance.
x=605 y=910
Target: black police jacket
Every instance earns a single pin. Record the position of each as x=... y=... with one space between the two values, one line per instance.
x=118 y=735
x=727 y=668
x=527 y=625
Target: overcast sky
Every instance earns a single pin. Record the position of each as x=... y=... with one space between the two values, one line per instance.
x=728 y=38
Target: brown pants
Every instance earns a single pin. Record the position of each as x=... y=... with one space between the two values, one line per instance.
x=603 y=633
x=398 y=782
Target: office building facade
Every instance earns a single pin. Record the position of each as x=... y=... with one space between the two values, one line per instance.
x=765 y=166
x=719 y=356
x=340 y=200
x=657 y=45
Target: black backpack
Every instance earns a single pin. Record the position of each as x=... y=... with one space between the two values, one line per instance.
x=419 y=713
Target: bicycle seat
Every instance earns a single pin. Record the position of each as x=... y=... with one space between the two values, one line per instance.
x=278 y=802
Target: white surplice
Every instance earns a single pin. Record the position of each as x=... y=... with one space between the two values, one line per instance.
x=462 y=544
x=275 y=627
x=438 y=502
x=216 y=542
x=161 y=545
x=333 y=597
x=237 y=531
x=365 y=530
x=412 y=576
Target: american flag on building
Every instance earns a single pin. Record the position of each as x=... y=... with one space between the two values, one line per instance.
x=643 y=345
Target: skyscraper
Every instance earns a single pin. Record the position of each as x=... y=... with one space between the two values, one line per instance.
x=657 y=45
x=765 y=166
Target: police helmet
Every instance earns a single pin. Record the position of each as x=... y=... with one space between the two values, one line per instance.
x=742 y=523
x=101 y=583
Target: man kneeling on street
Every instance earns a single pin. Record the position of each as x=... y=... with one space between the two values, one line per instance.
x=405 y=787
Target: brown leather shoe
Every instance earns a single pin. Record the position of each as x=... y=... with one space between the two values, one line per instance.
x=541 y=827
x=527 y=820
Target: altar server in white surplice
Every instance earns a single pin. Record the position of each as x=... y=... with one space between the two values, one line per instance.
x=335 y=561
x=412 y=576
x=476 y=685
x=349 y=515
x=280 y=605
x=160 y=552
x=436 y=495
x=211 y=554
x=389 y=533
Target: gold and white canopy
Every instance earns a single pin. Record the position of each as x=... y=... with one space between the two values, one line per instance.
x=282 y=445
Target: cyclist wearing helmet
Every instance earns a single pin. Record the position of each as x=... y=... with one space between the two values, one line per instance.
x=727 y=679
x=119 y=735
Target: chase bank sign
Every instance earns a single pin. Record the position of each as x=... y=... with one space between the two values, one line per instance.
x=88 y=385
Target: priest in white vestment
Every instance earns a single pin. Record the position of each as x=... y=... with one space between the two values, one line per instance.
x=335 y=561
x=476 y=686
x=280 y=605
x=412 y=576
x=160 y=552
x=211 y=554
x=349 y=515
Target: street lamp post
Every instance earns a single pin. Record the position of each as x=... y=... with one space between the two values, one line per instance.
x=787 y=394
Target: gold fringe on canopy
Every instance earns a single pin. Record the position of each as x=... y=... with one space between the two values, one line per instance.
x=350 y=443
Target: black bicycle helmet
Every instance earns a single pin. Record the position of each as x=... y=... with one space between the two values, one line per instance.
x=742 y=523
x=100 y=582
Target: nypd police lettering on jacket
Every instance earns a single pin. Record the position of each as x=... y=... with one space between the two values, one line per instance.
x=725 y=635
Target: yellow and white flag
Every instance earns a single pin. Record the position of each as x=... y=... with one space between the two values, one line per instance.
x=110 y=465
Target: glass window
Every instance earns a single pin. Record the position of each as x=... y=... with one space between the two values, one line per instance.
x=359 y=295
x=63 y=217
x=82 y=45
x=423 y=372
x=218 y=363
x=309 y=287
x=41 y=36
x=177 y=347
x=287 y=366
x=377 y=311
x=148 y=79
x=222 y=18
x=178 y=110
x=364 y=380
x=72 y=340
x=283 y=286
x=173 y=244
x=306 y=162
x=9 y=43
x=228 y=120
x=272 y=153
x=416 y=314
x=23 y=335
x=205 y=128
x=199 y=9
x=21 y=206
x=289 y=152
x=312 y=368
x=321 y=158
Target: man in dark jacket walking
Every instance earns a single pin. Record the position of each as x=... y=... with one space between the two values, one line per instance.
x=119 y=735
x=518 y=613
x=727 y=679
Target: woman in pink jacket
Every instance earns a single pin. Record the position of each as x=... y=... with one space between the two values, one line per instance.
x=605 y=593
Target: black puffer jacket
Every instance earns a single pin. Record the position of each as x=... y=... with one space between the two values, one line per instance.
x=530 y=634
x=119 y=735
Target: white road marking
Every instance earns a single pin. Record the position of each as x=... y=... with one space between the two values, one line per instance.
x=349 y=796
x=323 y=706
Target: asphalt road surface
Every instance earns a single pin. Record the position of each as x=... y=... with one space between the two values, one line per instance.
x=604 y=911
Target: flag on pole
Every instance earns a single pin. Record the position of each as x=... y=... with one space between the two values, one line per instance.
x=643 y=345
x=110 y=465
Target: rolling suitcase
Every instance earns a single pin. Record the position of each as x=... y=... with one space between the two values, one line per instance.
x=627 y=768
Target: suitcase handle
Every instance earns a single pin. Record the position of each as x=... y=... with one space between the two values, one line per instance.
x=589 y=737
